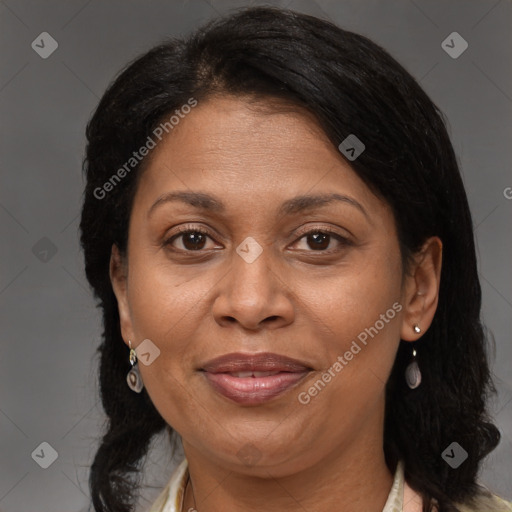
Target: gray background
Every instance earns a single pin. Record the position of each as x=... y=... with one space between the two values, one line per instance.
x=49 y=325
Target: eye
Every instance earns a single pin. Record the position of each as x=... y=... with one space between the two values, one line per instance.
x=191 y=239
x=320 y=239
x=195 y=239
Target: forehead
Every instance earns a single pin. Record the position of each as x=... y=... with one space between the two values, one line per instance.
x=225 y=126
x=236 y=148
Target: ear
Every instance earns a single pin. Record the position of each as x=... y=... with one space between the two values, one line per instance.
x=118 y=271
x=421 y=289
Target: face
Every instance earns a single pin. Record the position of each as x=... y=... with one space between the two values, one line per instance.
x=246 y=268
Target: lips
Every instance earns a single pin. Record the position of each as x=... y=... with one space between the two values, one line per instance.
x=252 y=379
x=262 y=362
x=250 y=373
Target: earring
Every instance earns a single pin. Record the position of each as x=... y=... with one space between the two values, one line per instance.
x=416 y=328
x=412 y=372
x=133 y=378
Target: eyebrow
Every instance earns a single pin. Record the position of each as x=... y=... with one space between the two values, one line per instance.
x=289 y=207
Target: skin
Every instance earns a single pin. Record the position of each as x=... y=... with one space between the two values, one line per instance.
x=294 y=299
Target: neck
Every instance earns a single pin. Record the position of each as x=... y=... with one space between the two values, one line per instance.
x=352 y=477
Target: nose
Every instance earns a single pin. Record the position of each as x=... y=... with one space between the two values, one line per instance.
x=254 y=295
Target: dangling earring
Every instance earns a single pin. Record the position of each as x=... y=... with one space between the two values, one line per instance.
x=412 y=372
x=133 y=378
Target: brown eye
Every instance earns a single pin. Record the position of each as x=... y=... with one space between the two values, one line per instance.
x=191 y=240
x=318 y=240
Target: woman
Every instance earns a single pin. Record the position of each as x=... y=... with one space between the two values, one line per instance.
x=275 y=226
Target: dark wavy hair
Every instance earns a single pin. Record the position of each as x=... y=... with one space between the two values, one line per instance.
x=352 y=86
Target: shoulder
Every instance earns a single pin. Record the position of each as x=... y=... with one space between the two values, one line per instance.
x=485 y=501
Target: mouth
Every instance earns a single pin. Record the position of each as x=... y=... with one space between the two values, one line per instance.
x=252 y=379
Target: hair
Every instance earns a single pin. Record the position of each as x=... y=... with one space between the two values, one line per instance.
x=352 y=86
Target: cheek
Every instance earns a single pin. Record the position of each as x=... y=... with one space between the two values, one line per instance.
x=362 y=319
x=163 y=299
x=353 y=299
x=358 y=313
x=166 y=307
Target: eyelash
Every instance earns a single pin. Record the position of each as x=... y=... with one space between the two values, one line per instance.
x=318 y=230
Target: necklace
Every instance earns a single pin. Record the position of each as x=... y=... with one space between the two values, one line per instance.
x=189 y=481
x=433 y=502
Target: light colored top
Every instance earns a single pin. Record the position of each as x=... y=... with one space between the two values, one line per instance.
x=401 y=498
